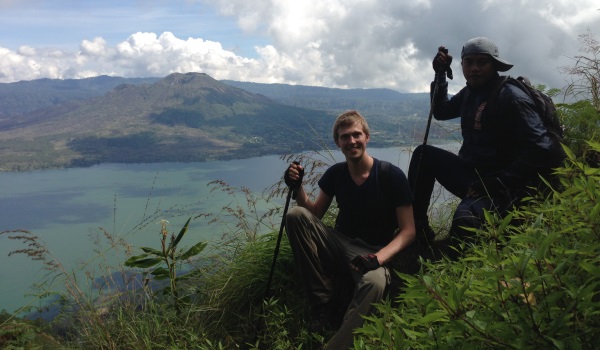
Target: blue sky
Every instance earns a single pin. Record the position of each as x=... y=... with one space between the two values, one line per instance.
x=333 y=43
x=64 y=23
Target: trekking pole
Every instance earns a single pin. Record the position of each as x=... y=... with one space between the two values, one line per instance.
x=415 y=180
x=261 y=325
x=449 y=74
x=285 y=209
x=292 y=192
x=432 y=102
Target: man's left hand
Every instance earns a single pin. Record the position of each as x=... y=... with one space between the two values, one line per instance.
x=365 y=263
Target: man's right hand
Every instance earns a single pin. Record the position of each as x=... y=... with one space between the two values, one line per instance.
x=442 y=59
x=293 y=175
x=441 y=63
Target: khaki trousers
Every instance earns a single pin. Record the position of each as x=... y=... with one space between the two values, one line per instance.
x=322 y=257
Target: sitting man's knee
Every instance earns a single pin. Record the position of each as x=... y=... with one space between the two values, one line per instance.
x=376 y=280
x=296 y=213
x=297 y=220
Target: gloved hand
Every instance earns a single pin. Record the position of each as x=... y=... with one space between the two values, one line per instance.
x=441 y=65
x=293 y=171
x=488 y=186
x=365 y=263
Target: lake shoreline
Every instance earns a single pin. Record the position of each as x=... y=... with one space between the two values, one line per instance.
x=8 y=166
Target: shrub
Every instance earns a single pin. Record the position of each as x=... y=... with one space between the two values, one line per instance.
x=532 y=282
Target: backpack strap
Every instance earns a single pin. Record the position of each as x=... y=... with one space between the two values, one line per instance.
x=384 y=169
x=339 y=175
x=521 y=82
x=524 y=80
x=386 y=180
x=544 y=105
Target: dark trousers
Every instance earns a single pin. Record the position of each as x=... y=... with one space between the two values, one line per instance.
x=430 y=164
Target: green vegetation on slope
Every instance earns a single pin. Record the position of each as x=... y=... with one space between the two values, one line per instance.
x=531 y=282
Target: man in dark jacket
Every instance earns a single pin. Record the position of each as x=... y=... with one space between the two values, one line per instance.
x=504 y=151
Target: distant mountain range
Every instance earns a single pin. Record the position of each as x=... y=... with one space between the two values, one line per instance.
x=50 y=123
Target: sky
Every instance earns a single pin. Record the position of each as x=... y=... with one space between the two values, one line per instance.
x=329 y=43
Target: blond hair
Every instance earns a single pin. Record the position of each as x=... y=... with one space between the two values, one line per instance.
x=349 y=118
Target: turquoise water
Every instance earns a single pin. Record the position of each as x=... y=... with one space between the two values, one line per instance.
x=70 y=209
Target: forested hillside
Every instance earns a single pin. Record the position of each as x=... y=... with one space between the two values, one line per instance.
x=27 y=96
x=187 y=117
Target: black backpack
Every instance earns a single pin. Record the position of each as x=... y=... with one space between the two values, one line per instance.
x=543 y=103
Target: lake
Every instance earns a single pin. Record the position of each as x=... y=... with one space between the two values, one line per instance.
x=68 y=209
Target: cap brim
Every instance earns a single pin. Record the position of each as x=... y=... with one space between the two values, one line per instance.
x=502 y=65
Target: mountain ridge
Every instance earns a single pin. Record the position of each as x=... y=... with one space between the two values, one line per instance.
x=184 y=117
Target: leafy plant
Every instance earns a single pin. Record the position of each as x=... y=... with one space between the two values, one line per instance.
x=169 y=258
x=582 y=122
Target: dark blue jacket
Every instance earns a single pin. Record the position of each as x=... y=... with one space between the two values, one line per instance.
x=510 y=143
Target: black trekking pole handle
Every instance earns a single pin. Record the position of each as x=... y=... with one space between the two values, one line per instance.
x=296 y=187
x=285 y=209
x=448 y=73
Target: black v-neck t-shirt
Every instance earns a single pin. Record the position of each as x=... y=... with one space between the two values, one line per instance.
x=367 y=211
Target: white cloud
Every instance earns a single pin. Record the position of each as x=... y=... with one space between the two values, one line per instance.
x=27 y=51
x=93 y=48
x=368 y=43
x=336 y=43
